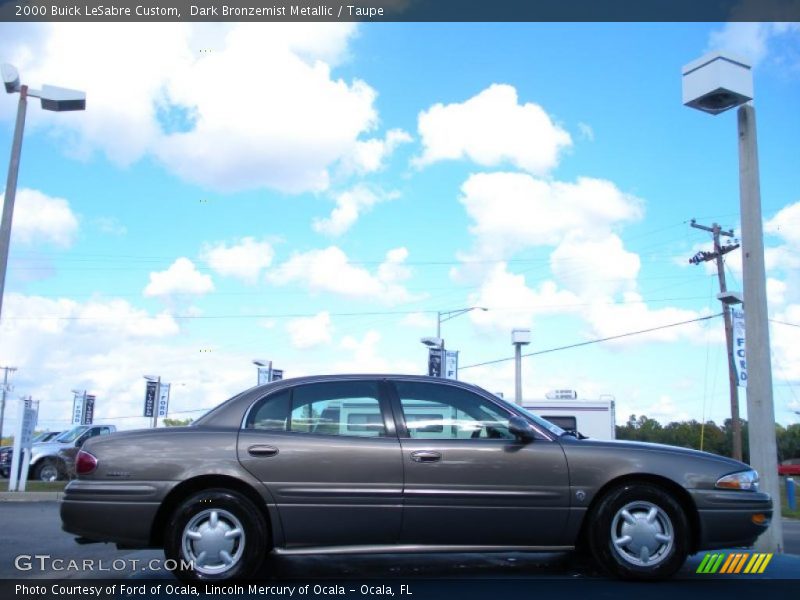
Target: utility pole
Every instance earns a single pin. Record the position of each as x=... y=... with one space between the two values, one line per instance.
x=6 y=389
x=719 y=252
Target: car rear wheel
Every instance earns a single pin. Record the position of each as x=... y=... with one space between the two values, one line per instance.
x=639 y=531
x=216 y=535
x=48 y=470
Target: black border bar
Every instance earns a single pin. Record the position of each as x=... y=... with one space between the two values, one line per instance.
x=400 y=10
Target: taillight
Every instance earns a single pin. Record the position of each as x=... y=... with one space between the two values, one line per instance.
x=85 y=463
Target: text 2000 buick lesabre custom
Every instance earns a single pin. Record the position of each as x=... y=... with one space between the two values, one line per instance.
x=393 y=463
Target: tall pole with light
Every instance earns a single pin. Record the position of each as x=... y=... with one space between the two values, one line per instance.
x=52 y=98
x=713 y=84
x=436 y=344
x=519 y=338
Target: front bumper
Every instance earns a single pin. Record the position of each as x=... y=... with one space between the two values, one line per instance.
x=122 y=513
x=727 y=517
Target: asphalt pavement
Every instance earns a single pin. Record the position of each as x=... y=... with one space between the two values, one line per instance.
x=34 y=547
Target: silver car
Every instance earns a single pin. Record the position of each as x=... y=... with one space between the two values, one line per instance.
x=393 y=463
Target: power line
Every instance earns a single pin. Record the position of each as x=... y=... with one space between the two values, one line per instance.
x=597 y=341
x=339 y=314
x=784 y=323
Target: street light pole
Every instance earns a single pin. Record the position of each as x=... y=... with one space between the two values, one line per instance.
x=760 y=406
x=52 y=98
x=11 y=189
x=713 y=84
x=452 y=314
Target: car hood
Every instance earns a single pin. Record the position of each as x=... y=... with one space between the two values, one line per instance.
x=50 y=446
x=627 y=446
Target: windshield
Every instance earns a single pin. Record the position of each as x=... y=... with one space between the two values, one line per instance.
x=554 y=429
x=71 y=434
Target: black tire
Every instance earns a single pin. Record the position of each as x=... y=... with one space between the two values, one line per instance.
x=227 y=557
x=48 y=469
x=639 y=515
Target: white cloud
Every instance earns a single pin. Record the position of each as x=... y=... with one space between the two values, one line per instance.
x=39 y=218
x=512 y=303
x=309 y=332
x=370 y=155
x=365 y=357
x=110 y=226
x=330 y=270
x=350 y=205
x=748 y=40
x=490 y=129
x=210 y=118
x=595 y=268
x=786 y=224
x=419 y=320
x=586 y=131
x=182 y=277
x=754 y=41
x=244 y=260
x=632 y=314
x=105 y=346
x=511 y=211
x=785 y=349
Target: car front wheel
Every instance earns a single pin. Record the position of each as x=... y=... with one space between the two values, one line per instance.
x=216 y=535
x=640 y=532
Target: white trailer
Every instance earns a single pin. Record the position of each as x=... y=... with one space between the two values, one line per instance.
x=592 y=418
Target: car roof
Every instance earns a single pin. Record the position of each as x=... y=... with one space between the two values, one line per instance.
x=230 y=412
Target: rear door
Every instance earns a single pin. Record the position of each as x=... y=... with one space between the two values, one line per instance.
x=468 y=480
x=329 y=455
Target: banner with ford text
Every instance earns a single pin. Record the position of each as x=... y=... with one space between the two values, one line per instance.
x=739 y=347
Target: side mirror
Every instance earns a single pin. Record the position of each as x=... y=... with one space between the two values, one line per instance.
x=521 y=428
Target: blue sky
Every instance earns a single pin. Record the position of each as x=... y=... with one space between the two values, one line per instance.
x=313 y=194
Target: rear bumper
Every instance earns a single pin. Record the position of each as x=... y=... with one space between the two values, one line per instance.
x=111 y=512
x=726 y=517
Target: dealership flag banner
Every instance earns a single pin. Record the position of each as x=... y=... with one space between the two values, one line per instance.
x=163 y=401
x=77 y=409
x=88 y=410
x=451 y=364
x=435 y=362
x=739 y=347
x=277 y=374
x=150 y=398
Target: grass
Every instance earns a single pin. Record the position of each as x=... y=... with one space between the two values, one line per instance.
x=37 y=486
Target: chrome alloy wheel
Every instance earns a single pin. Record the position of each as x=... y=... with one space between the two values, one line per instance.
x=213 y=540
x=48 y=472
x=642 y=534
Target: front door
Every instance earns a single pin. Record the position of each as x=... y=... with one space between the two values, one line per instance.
x=468 y=480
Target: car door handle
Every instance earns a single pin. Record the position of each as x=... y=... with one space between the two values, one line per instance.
x=426 y=456
x=262 y=450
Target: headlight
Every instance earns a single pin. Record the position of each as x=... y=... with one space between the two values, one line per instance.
x=746 y=480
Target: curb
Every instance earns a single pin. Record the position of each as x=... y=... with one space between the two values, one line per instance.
x=30 y=496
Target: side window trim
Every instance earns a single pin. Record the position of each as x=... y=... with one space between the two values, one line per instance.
x=402 y=428
x=384 y=394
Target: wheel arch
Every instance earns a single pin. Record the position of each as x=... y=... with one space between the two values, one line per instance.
x=185 y=489
x=681 y=496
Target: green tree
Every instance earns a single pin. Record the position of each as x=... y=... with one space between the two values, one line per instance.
x=176 y=422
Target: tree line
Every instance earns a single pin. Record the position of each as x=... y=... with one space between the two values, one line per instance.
x=711 y=438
